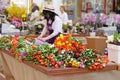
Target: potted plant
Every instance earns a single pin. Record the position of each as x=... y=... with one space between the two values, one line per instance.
x=65 y=28
x=38 y=28
x=113 y=45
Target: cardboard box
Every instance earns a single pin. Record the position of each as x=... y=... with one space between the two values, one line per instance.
x=97 y=42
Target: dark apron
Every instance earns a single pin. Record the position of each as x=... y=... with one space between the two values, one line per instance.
x=50 y=30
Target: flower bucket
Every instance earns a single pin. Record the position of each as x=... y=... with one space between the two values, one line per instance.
x=92 y=34
x=114 y=53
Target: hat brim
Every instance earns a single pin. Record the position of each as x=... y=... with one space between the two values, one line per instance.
x=49 y=10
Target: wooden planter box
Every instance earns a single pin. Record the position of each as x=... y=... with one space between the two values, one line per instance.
x=114 y=53
x=29 y=71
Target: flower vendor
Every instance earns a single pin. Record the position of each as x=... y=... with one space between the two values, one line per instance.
x=53 y=25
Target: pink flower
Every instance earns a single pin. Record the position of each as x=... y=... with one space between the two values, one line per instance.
x=93 y=19
x=103 y=19
x=86 y=19
x=82 y=65
x=117 y=19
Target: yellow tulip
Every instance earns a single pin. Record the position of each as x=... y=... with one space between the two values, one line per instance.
x=63 y=43
x=66 y=42
x=61 y=36
x=23 y=15
x=70 y=44
x=59 y=43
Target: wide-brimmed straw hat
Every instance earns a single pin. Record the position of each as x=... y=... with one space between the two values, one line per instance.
x=49 y=8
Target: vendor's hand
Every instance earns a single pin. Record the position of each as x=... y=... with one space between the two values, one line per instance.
x=42 y=39
x=39 y=37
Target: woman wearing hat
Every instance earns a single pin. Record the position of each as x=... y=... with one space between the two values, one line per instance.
x=53 y=25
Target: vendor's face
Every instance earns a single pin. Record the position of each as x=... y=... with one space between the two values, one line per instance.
x=47 y=14
x=61 y=9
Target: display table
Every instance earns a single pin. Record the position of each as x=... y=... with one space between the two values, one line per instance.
x=107 y=30
x=15 y=70
x=7 y=29
x=97 y=42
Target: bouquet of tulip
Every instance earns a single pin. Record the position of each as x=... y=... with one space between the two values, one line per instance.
x=88 y=59
x=68 y=43
x=77 y=55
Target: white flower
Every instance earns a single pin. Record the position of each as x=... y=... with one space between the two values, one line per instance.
x=118 y=40
x=12 y=26
x=63 y=51
x=51 y=45
x=110 y=39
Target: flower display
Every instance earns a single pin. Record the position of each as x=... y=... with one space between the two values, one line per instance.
x=65 y=52
x=15 y=11
x=17 y=15
x=103 y=19
x=68 y=43
x=117 y=19
x=21 y=26
x=95 y=20
x=86 y=19
x=63 y=42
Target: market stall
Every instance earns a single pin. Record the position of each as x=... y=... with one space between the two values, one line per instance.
x=75 y=55
x=62 y=61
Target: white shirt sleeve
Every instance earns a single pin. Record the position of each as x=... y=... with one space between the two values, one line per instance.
x=44 y=29
x=57 y=26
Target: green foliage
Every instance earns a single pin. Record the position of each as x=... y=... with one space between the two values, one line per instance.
x=65 y=27
x=76 y=40
x=5 y=42
x=78 y=27
x=88 y=57
x=47 y=49
x=116 y=37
